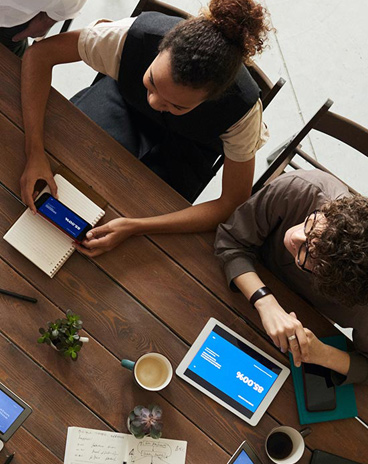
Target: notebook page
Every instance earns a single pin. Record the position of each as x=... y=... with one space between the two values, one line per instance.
x=41 y=242
x=88 y=445
x=77 y=201
x=157 y=451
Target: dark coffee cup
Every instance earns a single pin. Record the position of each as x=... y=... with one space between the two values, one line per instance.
x=285 y=445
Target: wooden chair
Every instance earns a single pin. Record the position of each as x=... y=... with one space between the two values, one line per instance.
x=324 y=121
x=160 y=7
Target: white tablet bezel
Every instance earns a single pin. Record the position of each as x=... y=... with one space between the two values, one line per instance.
x=196 y=347
x=249 y=451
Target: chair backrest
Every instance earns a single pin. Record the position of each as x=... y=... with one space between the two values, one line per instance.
x=161 y=7
x=324 y=121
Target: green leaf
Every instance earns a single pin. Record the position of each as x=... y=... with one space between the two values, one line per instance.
x=155 y=434
x=137 y=410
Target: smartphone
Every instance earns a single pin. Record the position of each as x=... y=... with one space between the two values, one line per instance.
x=319 y=391
x=62 y=217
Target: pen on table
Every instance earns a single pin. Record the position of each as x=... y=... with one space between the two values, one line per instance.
x=9 y=459
x=17 y=295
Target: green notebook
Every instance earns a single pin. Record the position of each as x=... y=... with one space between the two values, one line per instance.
x=345 y=397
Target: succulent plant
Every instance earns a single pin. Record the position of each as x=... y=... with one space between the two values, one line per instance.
x=146 y=421
x=63 y=335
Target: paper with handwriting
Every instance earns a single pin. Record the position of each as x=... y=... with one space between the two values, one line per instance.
x=97 y=446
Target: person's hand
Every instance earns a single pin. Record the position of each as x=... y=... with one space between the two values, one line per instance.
x=280 y=326
x=316 y=349
x=37 y=27
x=36 y=170
x=104 y=238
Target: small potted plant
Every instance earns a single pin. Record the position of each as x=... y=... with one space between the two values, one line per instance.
x=63 y=335
x=144 y=422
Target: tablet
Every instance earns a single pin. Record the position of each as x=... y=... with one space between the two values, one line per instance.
x=244 y=455
x=13 y=412
x=232 y=371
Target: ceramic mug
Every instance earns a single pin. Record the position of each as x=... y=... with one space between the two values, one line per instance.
x=285 y=445
x=152 y=371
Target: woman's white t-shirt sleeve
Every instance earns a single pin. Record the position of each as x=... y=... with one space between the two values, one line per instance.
x=244 y=138
x=101 y=44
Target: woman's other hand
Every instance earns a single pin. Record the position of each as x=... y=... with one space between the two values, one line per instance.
x=36 y=169
x=105 y=238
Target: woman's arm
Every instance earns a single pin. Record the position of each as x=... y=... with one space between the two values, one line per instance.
x=37 y=67
x=236 y=188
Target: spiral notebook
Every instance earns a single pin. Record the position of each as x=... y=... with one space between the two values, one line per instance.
x=84 y=446
x=41 y=242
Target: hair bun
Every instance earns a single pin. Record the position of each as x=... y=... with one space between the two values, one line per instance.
x=243 y=22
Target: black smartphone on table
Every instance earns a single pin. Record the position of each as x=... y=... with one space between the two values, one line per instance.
x=62 y=217
x=319 y=391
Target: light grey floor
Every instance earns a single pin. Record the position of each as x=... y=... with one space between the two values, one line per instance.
x=320 y=48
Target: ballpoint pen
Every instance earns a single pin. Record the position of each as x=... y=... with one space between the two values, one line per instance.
x=17 y=295
x=9 y=459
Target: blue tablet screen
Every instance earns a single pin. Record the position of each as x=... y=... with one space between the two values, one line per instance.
x=9 y=411
x=243 y=458
x=233 y=371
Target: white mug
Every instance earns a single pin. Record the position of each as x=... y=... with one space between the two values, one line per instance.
x=152 y=371
x=297 y=444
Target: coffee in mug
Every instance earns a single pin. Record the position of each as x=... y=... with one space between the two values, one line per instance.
x=279 y=445
x=285 y=445
x=152 y=371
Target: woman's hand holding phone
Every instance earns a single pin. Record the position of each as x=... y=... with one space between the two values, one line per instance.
x=36 y=169
x=105 y=238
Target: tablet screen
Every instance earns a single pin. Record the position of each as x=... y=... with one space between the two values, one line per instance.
x=233 y=371
x=243 y=458
x=9 y=411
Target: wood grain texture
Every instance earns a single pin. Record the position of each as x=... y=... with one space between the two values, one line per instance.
x=28 y=450
x=167 y=292
x=120 y=324
x=97 y=381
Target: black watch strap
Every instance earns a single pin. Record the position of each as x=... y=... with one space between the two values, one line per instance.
x=258 y=294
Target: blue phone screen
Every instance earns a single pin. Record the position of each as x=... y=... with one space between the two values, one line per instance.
x=63 y=217
x=9 y=411
x=233 y=371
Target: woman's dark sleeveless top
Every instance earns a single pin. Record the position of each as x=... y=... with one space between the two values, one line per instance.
x=182 y=150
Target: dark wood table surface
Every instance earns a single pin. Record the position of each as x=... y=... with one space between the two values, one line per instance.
x=150 y=294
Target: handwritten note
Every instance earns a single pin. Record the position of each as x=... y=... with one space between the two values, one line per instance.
x=97 y=446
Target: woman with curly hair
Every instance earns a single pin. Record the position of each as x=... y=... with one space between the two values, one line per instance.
x=310 y=232
x=176 y=94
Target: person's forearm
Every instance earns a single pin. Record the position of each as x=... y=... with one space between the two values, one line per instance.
x=334 y=359
x=36 y=84
x=248 y=283
x=200 y=218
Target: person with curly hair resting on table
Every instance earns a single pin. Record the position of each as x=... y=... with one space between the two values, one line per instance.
x=176 y=94
x=312 y=233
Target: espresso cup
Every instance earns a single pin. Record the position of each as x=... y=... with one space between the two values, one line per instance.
x=285 y=445
x=152 y=371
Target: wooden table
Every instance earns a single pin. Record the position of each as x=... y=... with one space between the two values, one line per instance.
x=151 y=293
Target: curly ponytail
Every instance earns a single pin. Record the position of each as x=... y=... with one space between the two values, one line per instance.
x=207 y=51
x=242 y=22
